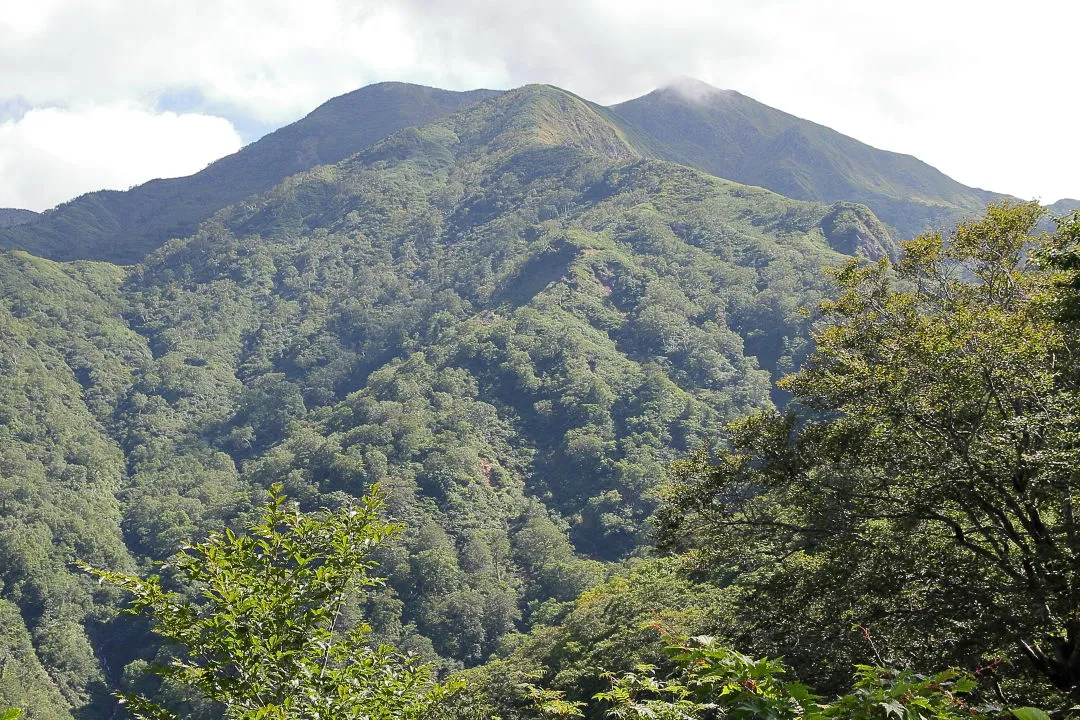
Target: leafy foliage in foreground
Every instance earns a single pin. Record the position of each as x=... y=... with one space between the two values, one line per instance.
x=715 y=681
x=267 y=638
x=707 y=680
x=926 y=469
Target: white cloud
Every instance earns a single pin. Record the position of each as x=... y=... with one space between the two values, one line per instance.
x=269 y=59
x=975 y=87
x=52 y=155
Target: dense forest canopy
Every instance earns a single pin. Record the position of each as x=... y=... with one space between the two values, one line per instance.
x=507 y=324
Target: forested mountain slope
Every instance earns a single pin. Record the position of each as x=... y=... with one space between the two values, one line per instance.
x=508 y=318
x=67 y=358
x=1063 y=206
x=721 y=132
x=730 y=135
x=15 y=216
x=123 y=226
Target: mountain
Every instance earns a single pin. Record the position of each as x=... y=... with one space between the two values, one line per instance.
x=730 y=135
x=14 y=216
x=1056 y=210
x=123 y=226
x=720 y=132
x=511 y=318
x=1065 y=205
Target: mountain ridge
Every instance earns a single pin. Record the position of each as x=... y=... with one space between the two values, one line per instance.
x=123 y=226
x=16 y=216
x=731 y=135
x=1065 y=205
x=721 y=132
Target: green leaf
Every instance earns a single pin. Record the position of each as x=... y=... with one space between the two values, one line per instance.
x=892 y=707
x=1029 y=713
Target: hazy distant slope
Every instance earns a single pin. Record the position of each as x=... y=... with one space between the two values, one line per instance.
x=124 y=226
x=1063 y=206
x=733 y=136
x=15 y=216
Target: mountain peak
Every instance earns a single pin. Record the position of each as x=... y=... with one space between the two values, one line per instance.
x=694 y=90
x=733 y=136
x=125 y=226
x=548 y=115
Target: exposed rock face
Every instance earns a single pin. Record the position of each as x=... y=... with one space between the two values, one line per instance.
x=854 y=230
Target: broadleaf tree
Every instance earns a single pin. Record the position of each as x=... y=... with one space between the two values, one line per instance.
x=934 y=434
x=265 y=639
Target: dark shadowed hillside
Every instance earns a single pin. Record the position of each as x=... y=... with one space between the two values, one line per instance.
x=124 y=226
x=15 y=216
x=730 y=135
x=1063 y=206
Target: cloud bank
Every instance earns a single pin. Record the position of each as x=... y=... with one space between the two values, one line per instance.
x=54 y=155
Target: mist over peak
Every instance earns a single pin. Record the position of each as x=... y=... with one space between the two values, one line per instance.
x=694 y=90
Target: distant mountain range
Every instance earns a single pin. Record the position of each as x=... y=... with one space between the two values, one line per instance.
x=14 y=216
x=1064 y=206
x=732 y=136
x=720 y=132
x=123 y=226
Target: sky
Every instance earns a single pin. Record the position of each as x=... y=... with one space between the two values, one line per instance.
x=99 y=94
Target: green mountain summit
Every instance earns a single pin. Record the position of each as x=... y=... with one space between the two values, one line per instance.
x=123 y=226
x=730 y=135
x=720 y=132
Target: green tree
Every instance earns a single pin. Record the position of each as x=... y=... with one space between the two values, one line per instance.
x=714 y=681
x=265 y=640
x=934 y=439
